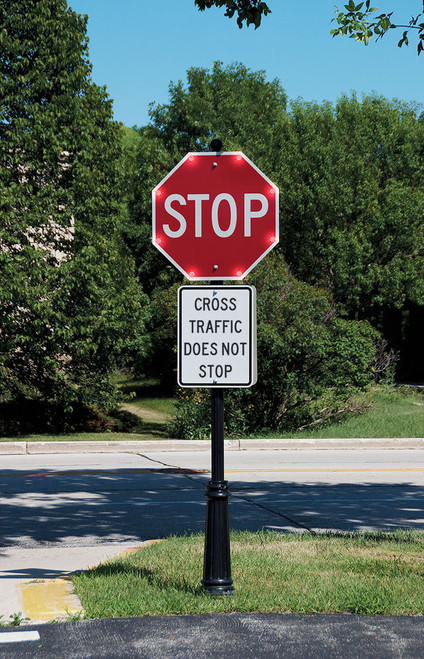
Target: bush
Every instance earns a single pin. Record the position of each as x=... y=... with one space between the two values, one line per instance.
x=26 y=416
x=311 y=363
x=193 y=419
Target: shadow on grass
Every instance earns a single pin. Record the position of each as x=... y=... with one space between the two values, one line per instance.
x=34 y=418
x=157 y=429
x=146 y=389
x=24 y=416
x=398 y=536
x=152 y=577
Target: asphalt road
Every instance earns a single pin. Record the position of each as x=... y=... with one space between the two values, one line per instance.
x=240 y=636
x=90 y=499
x=73 y=501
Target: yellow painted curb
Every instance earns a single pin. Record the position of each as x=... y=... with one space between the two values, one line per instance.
x=49 y=599
x=132 y=550
x=53 y=599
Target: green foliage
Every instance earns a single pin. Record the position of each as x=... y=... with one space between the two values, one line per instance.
x=311 y=363
x=354 y=22
x=390 y=412
x=352 y=201
x=351 y=181
x=238 y=105
x=159 y=360
x=234 y=103
x=24 y=416
x=193 y=418
x=250 y=11
x=351 y=222
x=15 y=619
x=130 y=142
x=193 y=415
x=71 y=307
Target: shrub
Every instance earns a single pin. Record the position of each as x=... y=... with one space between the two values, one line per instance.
x=311 y=363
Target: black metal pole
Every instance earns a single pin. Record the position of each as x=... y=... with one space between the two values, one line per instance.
x=217 y=562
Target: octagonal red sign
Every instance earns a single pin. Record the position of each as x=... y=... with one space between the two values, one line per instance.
x=215 y=215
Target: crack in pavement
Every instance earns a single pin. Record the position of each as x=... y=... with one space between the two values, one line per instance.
x=187 y=474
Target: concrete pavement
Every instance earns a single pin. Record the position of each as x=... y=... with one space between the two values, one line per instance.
x=116 y=446
x=35 y=582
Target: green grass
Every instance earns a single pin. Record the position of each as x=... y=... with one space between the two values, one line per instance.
x=371 y=573
x=394 y=413
x=146 y=394
x=164 y=406
x=153 y=432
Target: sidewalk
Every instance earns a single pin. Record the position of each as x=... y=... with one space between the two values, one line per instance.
x=111 y=446
x=36 y=581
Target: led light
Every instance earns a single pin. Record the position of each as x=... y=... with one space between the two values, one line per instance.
x=158 y=241
x=191 y=158
x=239 y=273
x=191 y=274
x=158 y=193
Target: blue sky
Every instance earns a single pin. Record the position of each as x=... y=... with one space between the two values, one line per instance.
x=138 y=46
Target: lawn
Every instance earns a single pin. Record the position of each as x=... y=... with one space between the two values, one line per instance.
x=366 y=573
x=394 y=412
x=147 y=399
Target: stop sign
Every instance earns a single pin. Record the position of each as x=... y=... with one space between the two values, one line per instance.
x=215 y=215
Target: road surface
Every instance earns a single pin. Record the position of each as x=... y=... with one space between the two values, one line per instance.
x=92 y=499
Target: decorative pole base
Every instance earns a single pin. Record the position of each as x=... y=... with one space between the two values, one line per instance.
x=217 y=563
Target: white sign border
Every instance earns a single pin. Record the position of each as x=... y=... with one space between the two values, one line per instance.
x=277 y=215
x=252 y=338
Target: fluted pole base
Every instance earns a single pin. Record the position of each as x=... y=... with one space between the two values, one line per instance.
x=217 y=563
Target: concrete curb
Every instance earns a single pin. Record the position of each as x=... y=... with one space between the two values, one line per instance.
x=48 y=600
x=34 y=448
x=44 y=598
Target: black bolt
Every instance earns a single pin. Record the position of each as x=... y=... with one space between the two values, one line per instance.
x=215 y=145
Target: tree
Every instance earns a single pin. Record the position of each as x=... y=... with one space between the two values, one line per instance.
x=250 y=11
x=352 y=207
x=351 y=178
x=70 y=306
x=238 y=105
x=352 y=201
x=355 y=22
x=248 y=113
x=351 y=188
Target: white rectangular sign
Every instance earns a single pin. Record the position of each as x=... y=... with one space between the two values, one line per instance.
x=217 y=336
